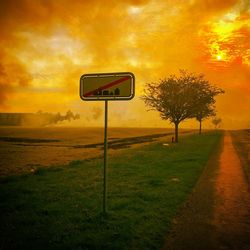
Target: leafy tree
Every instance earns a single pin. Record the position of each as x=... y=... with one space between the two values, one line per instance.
x=69 y=115
x=173 y=97
x=77 y=116
x=180 y=98
x=205 y=95
x=216 y=121
x=206 y=112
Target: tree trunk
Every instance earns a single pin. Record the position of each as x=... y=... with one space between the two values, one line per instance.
x=200 y=127
x=176 y=132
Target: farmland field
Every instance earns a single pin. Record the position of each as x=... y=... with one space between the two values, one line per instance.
x=25 y=149
x=61 y=207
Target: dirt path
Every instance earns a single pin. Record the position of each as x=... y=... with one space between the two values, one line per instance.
x=232 y=213
x=217 y=214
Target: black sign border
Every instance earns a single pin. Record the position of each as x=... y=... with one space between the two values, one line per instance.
x=108 y=98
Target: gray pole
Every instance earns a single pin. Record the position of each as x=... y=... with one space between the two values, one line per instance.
x=105 y=159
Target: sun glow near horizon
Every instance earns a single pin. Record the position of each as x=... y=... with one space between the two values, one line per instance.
x=227 y=40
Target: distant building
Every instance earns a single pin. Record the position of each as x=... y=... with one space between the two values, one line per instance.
x=14 y=119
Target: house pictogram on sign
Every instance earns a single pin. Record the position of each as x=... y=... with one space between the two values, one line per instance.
x=107 y=92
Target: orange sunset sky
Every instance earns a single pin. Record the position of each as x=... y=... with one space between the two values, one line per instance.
x=47 y=45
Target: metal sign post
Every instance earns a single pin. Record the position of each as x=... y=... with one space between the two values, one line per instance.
x=105 y=87
x=105 y=158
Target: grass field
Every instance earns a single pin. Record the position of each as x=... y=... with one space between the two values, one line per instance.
x=60 y=207
x=25 y=149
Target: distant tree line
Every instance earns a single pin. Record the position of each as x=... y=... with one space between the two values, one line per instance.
x=50 y=118
x=35 y=119
x=182 y=97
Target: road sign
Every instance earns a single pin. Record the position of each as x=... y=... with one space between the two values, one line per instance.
x=107 y=86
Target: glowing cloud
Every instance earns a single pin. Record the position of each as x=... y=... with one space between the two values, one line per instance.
x=47 y=45
x=227 y=41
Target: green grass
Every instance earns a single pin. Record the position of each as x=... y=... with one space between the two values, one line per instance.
x=60 y=208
